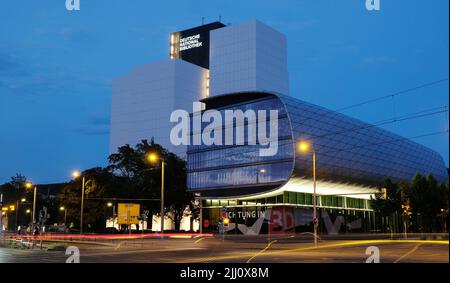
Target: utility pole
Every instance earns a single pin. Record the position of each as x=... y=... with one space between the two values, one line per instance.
x=162 y=196
x=201 y=217
x=315 y=220
x=17 y=213
x=34 y=209
x=1 y=214
x=82 y=206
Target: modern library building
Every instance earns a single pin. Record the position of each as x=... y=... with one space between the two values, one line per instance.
x=260 y=193
x=244 y=67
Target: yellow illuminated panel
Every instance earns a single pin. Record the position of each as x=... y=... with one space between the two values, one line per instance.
x=128 y=213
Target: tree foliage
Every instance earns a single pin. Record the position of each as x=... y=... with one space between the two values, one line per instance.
x=129 y=177
x=423 y=199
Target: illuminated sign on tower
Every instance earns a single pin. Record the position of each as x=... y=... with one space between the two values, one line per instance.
x=192 y=45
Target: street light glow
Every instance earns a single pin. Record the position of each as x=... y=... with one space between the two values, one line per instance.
x=76 y=174
x=303 y=146
x=28 y=185
x=62 y=208
x=152 y=157
x=23 y=200
x=109 y=204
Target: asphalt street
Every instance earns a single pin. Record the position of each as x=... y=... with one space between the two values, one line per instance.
x=237 y=250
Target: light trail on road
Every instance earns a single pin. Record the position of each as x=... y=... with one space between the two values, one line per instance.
x=313 y=248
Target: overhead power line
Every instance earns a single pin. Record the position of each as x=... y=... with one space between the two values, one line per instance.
x=393 y=94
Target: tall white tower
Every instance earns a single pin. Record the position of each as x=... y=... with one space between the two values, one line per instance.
x=248 y=57
x=143 y=101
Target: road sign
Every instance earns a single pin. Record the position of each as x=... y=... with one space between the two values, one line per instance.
x=128 y=213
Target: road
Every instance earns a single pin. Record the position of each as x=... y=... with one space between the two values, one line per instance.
x=294 y=249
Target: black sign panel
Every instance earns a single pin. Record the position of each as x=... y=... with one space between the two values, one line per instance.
x=192 y=45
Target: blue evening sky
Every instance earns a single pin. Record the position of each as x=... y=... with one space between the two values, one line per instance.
x=56 y=67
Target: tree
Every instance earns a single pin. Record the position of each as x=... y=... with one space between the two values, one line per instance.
x=143 y=179
x=98 y=181
x=13 y=191
x=426 y=201
x=128 y=176
x=390 y=204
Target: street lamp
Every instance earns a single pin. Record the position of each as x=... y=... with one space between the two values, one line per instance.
x=75 y=175
x=29 y=185
x=22 y=200
x=153 y=158
x=110 y=204
x=62 y=208
x=304 y=147
x=443 y=212
x=260 y=171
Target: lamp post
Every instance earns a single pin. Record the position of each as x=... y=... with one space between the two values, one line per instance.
x=444 y=223
x=1 y=213
x=262 y=171
x=153 y=157
x=110 y=204
x=304 y=147
x=77 y=174
x=62 y=208
x=29 y=185
x=22 y=200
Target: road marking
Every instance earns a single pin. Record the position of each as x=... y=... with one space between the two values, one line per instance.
x=139 y=251
x=261 y=251
x=199 y=240
x=342 y=244
x=409 y=253
x=118 y=245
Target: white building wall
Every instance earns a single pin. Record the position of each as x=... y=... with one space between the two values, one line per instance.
x=143 y=101
x=248 y=57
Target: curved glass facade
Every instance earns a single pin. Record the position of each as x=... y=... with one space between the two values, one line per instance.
x=352 y=151
x=224 y=166
x=348 y=150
